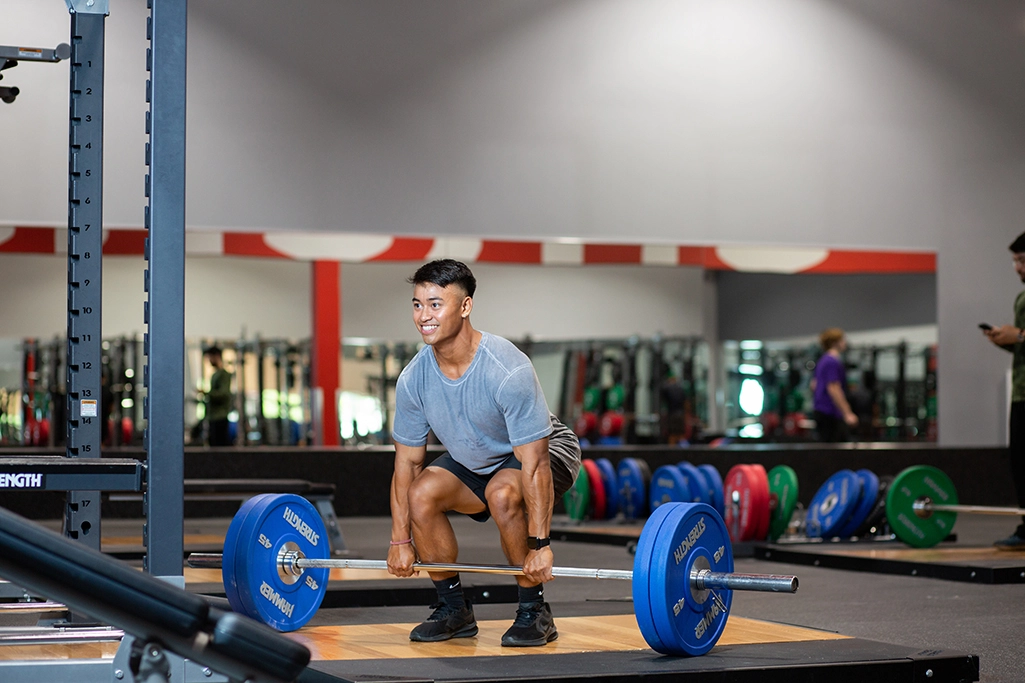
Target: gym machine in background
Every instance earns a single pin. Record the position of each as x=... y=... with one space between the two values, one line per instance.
x=271 y=390
x=618 y=392
x=891 y=387
x=611 y=392
x=275 y=402
x=34 y=411
x=629 y=391
x=42 y=393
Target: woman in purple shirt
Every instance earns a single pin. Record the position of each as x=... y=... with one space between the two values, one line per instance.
x=833 y=414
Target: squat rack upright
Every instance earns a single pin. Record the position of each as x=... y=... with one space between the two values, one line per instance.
x=164 y=279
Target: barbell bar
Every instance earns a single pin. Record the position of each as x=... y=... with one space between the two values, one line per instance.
x=292 y=563
x=275 y=568
x=33 y=606
x=925 y=506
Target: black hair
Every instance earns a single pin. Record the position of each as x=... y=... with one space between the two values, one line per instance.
x=1018 y=245
x=213 y=351
x=445 y=272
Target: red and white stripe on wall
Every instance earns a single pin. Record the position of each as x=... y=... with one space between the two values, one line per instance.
x=357 y=248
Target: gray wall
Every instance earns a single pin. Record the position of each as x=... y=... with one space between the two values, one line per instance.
x=846 y=123
x=769 y=306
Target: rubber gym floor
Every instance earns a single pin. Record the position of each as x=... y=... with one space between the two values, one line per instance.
x=921 y=613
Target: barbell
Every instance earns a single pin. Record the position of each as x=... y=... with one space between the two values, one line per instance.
x=922 y=506
x=275 y=568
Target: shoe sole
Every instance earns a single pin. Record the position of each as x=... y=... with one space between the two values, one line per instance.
x=464 y=633
x=532 y=643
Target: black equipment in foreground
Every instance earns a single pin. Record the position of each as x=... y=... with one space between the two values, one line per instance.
x=158 y=615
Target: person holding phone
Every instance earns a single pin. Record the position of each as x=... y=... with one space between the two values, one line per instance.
x=1012 y=338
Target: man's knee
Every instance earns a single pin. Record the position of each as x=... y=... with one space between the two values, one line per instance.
x=504 y=500
x=425 y=496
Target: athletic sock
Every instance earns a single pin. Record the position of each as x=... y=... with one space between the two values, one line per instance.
x=531 y=594
x=450 y=591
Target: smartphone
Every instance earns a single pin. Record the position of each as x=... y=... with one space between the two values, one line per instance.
x=986 y=326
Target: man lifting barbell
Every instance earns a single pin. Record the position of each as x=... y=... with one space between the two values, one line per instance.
x=508 y=457
x=275 y=570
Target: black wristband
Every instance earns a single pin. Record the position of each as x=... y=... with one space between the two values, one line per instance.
x=535 y=543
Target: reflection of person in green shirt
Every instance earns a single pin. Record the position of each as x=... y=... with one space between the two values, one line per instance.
x=218 y=400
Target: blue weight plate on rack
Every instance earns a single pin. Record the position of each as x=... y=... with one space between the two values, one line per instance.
x=866 y=501
x=229 y=555
x=632 y=486
x=687 y=621
x=277 y=523
x=714 y=480
x=832 y=504
x=697 y=481
x=608 y=473
x=668 y=485
x=642 y=568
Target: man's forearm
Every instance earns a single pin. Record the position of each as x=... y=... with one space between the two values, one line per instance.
x=407 y=466
x=538 y=489
x=400 y=506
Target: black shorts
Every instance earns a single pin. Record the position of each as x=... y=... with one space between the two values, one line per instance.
x=562 y=478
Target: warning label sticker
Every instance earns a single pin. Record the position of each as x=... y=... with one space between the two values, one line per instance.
x=89 y=408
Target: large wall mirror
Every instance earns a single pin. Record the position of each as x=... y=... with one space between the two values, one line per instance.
x=632 y=344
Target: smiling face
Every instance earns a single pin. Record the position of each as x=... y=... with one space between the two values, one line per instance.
x=440 y=312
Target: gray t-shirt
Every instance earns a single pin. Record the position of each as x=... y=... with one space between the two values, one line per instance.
x=497 y=404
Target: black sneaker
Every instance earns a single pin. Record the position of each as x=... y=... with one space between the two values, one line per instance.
x=1012 y=542
x=534 y=626
x=446 y=622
